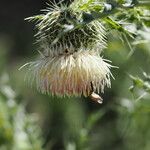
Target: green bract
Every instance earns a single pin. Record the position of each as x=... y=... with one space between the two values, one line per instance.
x=59 y=30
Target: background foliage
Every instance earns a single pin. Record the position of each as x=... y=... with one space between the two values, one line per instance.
x=30 y=120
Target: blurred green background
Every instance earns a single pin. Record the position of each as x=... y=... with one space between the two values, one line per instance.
x=33 y=121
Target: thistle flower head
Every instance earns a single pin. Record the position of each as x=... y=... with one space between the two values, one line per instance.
x=71 y=74
x=59 y=28
x=71 y=64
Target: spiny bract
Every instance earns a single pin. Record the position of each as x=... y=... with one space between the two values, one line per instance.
x=59 y=27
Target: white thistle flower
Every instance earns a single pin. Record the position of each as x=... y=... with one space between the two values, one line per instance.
x=71 y=74
x=71 y=64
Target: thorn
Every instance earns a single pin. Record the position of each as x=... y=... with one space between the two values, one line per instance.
x=43 y=56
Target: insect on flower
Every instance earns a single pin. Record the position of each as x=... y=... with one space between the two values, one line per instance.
x=95 y=97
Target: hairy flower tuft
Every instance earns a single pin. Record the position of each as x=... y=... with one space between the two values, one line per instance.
x=71 y=74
